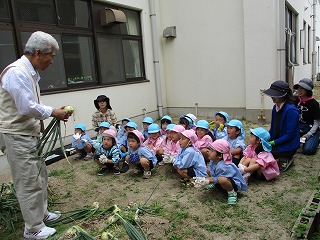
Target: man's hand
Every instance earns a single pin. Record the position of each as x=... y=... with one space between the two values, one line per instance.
x=60 y=114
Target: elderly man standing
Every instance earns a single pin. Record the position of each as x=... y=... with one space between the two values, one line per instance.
x=21 y=120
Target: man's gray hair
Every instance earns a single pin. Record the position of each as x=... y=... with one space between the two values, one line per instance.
x=42 y=41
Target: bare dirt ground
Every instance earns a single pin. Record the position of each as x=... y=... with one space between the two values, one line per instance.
x=267 y=211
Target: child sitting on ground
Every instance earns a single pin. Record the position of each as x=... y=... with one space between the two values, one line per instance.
x=235 y=137
x=220 y=129
x=107 y=155
x=186 y=122
x=170 y=150
x=257 y=157
x=140 y=156
x=223 y=174
x=189 y=162
x=82 y=142
x=205 y=137
x=123 y=144
x=102 y=127
x=120 y=127
x=155 y=140
x=165 y=121
x=146 y=122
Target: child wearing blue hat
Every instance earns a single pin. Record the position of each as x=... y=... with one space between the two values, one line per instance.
x=146 y=122
x=257 y=156
x=123 y=144
x=120 y=127
x=220 y=129
x=102 y=127
x=165 y=121
x=235 y=137
x=154 y=141
x=82 y=142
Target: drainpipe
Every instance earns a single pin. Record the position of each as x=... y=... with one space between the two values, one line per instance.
x=281 y=36
x=314 y=60
x=156 y=57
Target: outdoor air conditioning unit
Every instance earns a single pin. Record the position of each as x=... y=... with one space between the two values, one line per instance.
x=109 y=17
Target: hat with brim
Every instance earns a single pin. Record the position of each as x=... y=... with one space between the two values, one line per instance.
x=305 y=83
x=278 y=89
x=102 y=98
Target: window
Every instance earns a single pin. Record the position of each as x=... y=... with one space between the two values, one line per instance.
x=291 y=36
x=4 y=10
x=7 y=49
x=90 y=55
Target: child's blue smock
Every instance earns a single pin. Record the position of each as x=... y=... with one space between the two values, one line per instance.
x=235 y=143
x=98 y=141
x=219 y=135
x=145 y=152
x=81 y=144
x=145 y=134
x=123 y=141
x=189 y=157
x=112 y=153
x=121 y=132
x=228 y=171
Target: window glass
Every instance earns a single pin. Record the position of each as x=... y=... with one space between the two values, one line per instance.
x=73 y=13
x=79 y=59
x=132 y=26
x=4 y=10
x=42 y=11
x=54 y=75
x=111 y=60
x=132 y=58
x=7 y=49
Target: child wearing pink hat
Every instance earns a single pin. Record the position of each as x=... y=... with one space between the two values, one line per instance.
x=140 y=156
x=108 y=155
x=189 y=162
x=171 y=148
x=223 y=174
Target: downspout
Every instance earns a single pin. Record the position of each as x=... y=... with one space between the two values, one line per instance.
x=281 y=41
x=314 y=60
x=156 y=57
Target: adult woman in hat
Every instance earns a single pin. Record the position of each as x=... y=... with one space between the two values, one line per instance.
x=104 y=112
x=284 y=130
x=309 y=116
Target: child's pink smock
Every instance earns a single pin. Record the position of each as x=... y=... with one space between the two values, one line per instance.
x=269 y=166
x=203 y=142
x=155 y=142
x=170 y=147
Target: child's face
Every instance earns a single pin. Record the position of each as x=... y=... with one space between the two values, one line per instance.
x=133 y=144
x=102 y=129
x=168 y=134
x=145 y=126
x=164 y=125
x=124 y=122
x=253 y=140
x=213 y=154
x=175 y=137
x=128 y=129
x=78 y=130
x=107 y=142
x=201 y=132
x=233 y=132
x=184 y=141
x=102 y=104
x=219 y=120
x=155 y=136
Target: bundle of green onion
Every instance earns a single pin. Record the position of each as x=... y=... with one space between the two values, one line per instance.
x=49 y=138
x=9 y=206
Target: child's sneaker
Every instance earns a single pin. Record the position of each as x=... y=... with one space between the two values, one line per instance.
x=284 y=163
x=116 y=171
x=125 y=168
x=135 y=172
x=79 y=156
x=161 y=163
x=89 y=156
x=146 y=174
x=232 y=198
x=43 y=233
x=102 y=171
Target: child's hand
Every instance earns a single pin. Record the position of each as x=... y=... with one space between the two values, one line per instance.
x=221 y=127
x=84 y=140
x=76 y=136
x=200 y=182
x=103 y=159
x=241 y=168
